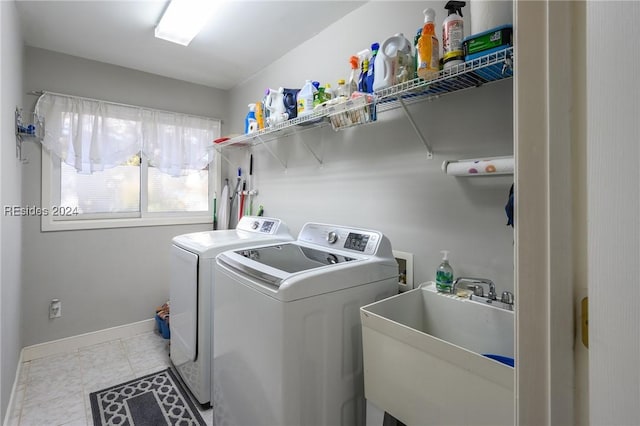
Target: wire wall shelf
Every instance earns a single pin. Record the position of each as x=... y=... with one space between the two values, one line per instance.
x=486 y=69
x=28 y=127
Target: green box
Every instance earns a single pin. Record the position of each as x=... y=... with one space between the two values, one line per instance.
x=501 y=36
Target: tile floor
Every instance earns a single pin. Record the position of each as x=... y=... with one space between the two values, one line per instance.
x=54 y=391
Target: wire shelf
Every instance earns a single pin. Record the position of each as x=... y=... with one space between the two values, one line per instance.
x=474 y=73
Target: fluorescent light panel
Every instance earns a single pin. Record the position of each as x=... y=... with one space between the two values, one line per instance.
x=184 y=19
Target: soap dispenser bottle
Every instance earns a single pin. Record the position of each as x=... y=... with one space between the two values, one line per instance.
x=444 y=274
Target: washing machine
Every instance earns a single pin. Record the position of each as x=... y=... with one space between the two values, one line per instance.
x=287 y=339
x=192 y=265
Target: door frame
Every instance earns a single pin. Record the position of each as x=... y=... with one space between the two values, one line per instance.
x=544 y=380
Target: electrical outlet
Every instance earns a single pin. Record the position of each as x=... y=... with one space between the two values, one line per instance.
x=55 y=309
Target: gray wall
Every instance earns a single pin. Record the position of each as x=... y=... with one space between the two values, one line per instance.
x=378 y=176
x=11 y=52
x=104 y=278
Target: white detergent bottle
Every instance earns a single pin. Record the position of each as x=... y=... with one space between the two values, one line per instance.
x=392 y=61
x=305 y=99
x=444 y=274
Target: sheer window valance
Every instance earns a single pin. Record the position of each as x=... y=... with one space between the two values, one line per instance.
x=93 y=135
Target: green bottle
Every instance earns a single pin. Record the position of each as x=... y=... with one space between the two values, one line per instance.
x=444 y=274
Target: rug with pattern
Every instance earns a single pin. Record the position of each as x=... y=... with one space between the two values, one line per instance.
x=153 y=400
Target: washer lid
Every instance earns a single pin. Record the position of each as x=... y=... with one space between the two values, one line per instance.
x=293 y=258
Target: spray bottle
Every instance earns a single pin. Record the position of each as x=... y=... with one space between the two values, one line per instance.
x=428 y=48
x=444 y=274
x=371 y=71
x=453 y=34
x=250 y=122
x=353 y=79
x=363 y=57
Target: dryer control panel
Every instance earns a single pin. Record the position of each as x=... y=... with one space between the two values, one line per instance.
x=338 y=237
x=259 y=224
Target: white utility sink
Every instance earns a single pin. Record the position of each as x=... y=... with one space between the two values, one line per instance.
x=423 y=359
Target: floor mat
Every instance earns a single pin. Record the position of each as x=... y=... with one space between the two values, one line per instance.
x=153 y=400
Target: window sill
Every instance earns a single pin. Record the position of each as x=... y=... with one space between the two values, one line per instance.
x=48 y=224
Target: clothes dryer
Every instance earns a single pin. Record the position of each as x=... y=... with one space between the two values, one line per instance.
x=192 y=265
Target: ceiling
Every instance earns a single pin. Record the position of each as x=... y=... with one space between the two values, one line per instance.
x=242 y=38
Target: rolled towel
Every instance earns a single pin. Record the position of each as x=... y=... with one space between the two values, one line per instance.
x=491 y=166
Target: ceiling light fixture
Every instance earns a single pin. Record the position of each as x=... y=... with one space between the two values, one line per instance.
x=183 y=20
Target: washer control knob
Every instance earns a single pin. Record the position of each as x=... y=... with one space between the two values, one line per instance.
x=255 y=225
x=332 y=237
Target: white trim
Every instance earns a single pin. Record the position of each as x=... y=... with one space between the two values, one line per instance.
x=70 y=225
x=543 y=249
x=149 y=219
x=73 y=343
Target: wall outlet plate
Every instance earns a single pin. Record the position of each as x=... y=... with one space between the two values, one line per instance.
x=405 y=269
x=55 y=309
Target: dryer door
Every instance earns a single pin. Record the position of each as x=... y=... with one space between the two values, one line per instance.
x=184 y=305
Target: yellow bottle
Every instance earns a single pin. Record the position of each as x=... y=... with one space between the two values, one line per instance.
x=428 y=48
x=259 y=115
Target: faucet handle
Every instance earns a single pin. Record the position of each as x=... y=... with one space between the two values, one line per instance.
x=477 y=290
x=507 y=297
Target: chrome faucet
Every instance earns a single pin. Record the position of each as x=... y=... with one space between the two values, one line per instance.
x=506 y=300
x=476 y=286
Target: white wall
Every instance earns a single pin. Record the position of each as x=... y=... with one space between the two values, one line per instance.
x=11 y=52
x=378 y=176
x=104 y=278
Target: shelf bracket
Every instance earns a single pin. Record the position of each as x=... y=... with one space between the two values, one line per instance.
x=415 y=128
x=312 y=152
x=273 y=154
x=219 y=151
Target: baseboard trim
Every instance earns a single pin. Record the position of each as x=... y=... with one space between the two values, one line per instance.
x=73 y=343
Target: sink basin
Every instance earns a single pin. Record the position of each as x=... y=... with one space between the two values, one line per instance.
x=424 y=364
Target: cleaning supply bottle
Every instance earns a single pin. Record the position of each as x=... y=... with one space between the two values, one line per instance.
x=363 y=59
x=250 y=122
x=372 y=64
x=329 y=93
x=444 y=274
x=305 y=98
x=428 y=48
x=319 y=97
x=453 y=34
x=259 y=115
x=342 y=91
x=353 y=79
x=415 y=58
x=394 y=62
x=362 y=80
x=265 y=110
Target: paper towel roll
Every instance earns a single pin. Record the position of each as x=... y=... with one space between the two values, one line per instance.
x=489 y=14
x=495 y=166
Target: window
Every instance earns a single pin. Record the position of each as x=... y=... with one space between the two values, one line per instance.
x=125 y=166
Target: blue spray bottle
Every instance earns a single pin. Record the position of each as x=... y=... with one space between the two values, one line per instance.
x=370 y=72
x=363 y=56
x=250 y=122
